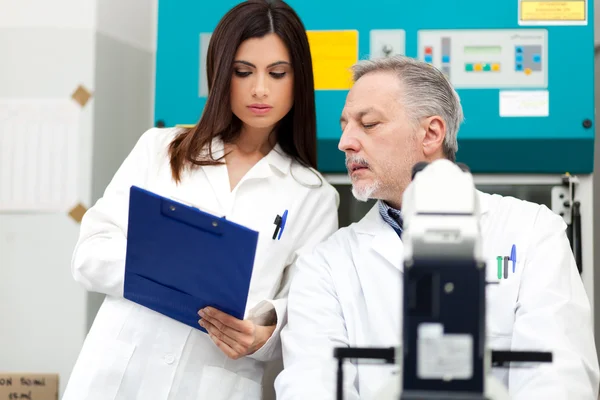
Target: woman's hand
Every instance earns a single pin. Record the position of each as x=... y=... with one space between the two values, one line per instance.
x=236 y=338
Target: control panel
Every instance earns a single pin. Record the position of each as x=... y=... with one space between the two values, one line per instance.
x=488 y=59
x=527 y=110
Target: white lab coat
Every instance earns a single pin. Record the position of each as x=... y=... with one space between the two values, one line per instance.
x=132 y=352
x=348 y=293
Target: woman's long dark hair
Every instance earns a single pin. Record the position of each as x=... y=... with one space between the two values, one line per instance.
x=296 y=131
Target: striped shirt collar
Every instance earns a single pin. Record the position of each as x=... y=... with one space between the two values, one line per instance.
x=392 y=216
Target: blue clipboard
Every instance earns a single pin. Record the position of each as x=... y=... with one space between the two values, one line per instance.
x=181 y=259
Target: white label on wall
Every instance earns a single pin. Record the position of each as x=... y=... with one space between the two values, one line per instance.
x=443 y=356
x=524 y=103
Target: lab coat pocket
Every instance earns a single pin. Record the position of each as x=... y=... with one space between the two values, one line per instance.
x=100 y=369
x=221 y=384
x=501 y=297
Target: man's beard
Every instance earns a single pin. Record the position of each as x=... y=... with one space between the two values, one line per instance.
x=365 y=192
x=381 y=186
x=361 y=193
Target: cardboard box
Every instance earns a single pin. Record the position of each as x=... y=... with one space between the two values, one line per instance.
x=26 y=386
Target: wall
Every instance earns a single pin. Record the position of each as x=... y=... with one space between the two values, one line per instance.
x=49 y=48
x=125 y=48
x=124 y=84
x=46 y=54
x=64 y=14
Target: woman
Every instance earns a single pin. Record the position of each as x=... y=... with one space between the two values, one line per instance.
x=250 y=157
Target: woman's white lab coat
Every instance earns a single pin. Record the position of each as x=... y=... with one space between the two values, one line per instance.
x=348 y=293
x=132 y=352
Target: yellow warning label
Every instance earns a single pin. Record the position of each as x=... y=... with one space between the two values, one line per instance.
x=333 y=53
x=553 y=10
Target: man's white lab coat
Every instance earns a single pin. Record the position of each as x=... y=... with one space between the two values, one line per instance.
x=348 y=293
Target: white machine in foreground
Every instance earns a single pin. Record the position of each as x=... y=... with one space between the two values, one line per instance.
x=443 y=355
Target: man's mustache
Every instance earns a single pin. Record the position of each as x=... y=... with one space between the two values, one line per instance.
x=356 y=161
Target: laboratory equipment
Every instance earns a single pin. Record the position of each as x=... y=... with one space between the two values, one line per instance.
x=525 y=74
x=442 y=241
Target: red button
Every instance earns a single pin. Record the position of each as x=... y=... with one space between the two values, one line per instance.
x=428 y=50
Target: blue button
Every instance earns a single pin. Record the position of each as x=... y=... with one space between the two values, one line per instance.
x=537 y=58
x=519 y=67
x=428 y=58
x=519 y=49
x=445 y=59
x=519 y=58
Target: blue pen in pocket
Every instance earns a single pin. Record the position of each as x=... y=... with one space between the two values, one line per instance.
x=283 y=220
x=513 y=257
x=279 y=225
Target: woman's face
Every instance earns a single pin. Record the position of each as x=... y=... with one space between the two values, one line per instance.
x=262 y=86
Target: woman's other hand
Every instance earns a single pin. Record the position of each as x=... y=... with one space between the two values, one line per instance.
x=236 y=338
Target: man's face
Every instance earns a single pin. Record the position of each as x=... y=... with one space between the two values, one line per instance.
x=380 y=142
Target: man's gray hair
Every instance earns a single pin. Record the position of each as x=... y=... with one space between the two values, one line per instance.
x=426 y=92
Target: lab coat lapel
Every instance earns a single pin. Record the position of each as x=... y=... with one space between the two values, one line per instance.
x=276 y=160
x=385 y=241
x=196 y=190
x=218 y=177
x=387 y=244
x=206 y=187
x=379 y=267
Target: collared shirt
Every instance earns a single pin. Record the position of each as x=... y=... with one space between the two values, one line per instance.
x=392 y=216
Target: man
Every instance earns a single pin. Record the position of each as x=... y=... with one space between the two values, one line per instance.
x=347 y=292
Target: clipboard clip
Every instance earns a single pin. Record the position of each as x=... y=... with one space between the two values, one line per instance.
x=190 y=215
x=192 y=205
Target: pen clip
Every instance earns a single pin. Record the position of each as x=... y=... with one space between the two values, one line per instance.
x=277 y=223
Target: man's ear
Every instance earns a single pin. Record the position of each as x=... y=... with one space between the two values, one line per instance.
x=435 y=132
